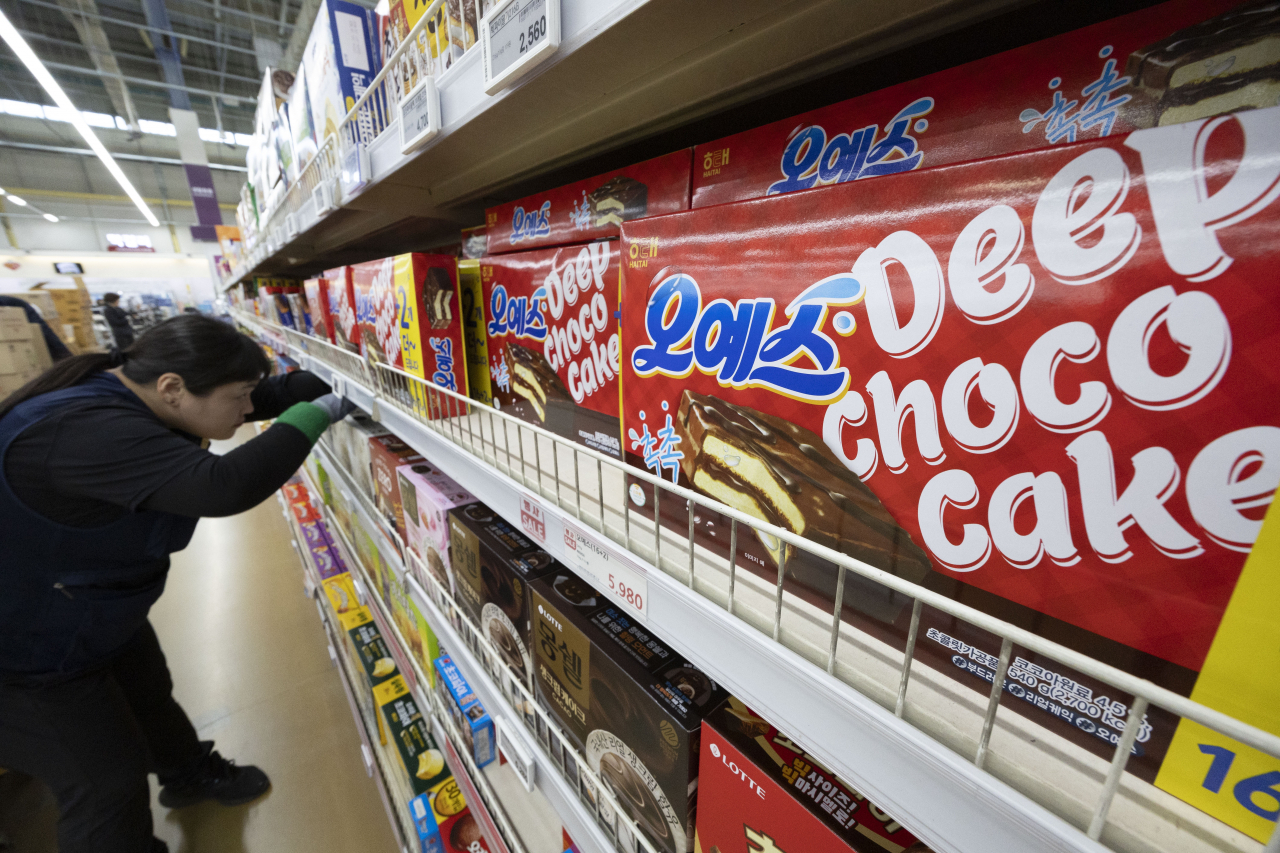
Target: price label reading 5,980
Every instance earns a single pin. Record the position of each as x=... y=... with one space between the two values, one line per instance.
x=518 y=35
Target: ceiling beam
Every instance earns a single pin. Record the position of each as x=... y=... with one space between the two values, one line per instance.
x=225 y=8
x=136 y=57
x=159 y=84
x=141 y=158
x=144 y=26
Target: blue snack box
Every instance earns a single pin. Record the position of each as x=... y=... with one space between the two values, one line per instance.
x=470 y=716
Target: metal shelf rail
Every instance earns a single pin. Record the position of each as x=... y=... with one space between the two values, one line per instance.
x=858 y=714
x=569 y=786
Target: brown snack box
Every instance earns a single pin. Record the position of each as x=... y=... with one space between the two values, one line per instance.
x=13 y=324
x=386 y=454
x=633 y=706
x=493 y=564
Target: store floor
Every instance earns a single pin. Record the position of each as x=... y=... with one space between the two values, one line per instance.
x=251 y=666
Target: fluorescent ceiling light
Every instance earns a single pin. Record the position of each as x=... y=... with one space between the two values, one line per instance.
x=19 y=46
x=50 y=217
x=20 y=202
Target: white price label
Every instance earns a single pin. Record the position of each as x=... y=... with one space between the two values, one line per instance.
x=518 y=35
x=607 y=570
x=419 y=115
x=338 y=384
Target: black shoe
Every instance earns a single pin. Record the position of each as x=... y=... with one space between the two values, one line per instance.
x=215 y=778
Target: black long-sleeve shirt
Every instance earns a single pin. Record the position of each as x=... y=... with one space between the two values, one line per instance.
x=118 y=321
x=90 y=464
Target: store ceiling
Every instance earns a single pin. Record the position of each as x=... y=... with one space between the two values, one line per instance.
x=215 y=40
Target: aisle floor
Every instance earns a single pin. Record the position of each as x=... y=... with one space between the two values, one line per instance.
x=251 y=666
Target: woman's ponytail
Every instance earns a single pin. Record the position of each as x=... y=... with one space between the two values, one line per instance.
x=205 y=352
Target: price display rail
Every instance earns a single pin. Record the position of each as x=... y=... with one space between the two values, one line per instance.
x=961 y=774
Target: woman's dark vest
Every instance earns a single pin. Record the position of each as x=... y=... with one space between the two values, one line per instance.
x=71 y=597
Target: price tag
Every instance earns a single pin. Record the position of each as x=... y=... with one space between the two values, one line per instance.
x=517 y=36
x=338 y=383
x=518 y=756
x=532 y=520
x=607 y=570
x=419 y=115
x=355 y=169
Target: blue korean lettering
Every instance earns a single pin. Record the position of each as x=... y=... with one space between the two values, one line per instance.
x=735 y=341
x=443 y=375
x=811 y=158
x=521 y=315
x=534 y=223
x=501 y=375
x=660 y=451
x=1100 y=109
x=665 y=354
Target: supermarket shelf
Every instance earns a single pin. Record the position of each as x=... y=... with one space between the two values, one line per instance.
x=908 y=764
x=946 y=800
x=575 y=816
x=625 y=70
x=372 y=760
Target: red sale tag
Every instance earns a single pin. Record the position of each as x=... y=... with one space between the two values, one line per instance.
x=532 y=520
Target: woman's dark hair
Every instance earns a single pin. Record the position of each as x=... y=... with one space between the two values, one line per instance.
x=205 y=352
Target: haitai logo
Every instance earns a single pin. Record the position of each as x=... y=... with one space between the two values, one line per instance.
x=1075 y=239
x=569 y=316
x=811 y=158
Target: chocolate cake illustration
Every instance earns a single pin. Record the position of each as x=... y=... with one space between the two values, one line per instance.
x=437 y=297
x=533 y=379
x=617 y=200
x=784 y=474
x=1227 y=63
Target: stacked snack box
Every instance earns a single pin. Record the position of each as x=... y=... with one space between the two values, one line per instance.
x=342 y=309
x=1120 y=75
x=590 y=209
x=630 y=703
x=552 y=339
x=468 y=714
x=756 y=786
x=373 y=286
x=937 y=352
x=386 y=454
x=426 y=312
x=316 y=291
x=426 y=496
x=493 y=564
x=341 y=57
x=475 y=343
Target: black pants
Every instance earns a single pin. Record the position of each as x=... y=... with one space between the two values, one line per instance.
x=93 y=740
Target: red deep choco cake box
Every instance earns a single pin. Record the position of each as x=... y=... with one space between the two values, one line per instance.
x=553 y=339
x=342 y=309
x=373 y=283
x=317 y=292
x=1042 y=383
x=760 y=791
x=591 y=209
x=1120 y=75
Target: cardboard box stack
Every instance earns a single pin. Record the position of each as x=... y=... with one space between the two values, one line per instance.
x=23 y=354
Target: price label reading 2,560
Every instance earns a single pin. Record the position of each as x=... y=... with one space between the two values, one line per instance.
x=536 y=31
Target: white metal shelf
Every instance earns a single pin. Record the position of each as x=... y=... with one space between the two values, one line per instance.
x=559 y=792
x=625 y=70
x=914 y=764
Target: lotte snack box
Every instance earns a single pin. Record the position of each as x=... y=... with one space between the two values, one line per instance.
x=1175 y=62
x=553 y=339
x=317 y=293
x=426 y=496
x=342 y=309
x=493 y=563
x=632 y=705
x=427 y=315
x=591 y=209
x=1000 y=379
x=756 y=786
